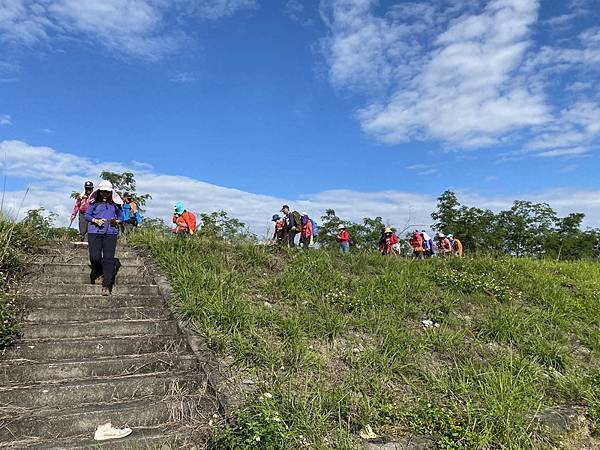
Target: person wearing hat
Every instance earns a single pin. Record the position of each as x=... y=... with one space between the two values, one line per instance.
x=343 y=238
x=307 y=233
x=279 y=234
x=444 y=245
x=390 y=242
x=80 y=208
x=184 y=220
x=131 y=213
x=293 y=224
x=104 y=215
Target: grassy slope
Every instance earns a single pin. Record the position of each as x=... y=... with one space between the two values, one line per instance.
x=342 y=345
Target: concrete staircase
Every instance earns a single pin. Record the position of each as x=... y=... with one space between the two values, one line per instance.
x=85 y=360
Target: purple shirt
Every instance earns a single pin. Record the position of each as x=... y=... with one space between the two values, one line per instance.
x=103 y=210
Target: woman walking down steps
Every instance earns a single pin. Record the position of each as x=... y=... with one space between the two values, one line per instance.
x=104 y=214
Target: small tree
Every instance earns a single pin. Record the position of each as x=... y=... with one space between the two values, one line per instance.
x=218 y=225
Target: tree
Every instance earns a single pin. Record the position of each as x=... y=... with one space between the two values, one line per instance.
x=125 y=182
x=218 y=225
x=328 y=230
x=526 y=227
x=447 y=213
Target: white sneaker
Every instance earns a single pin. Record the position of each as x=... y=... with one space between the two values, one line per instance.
x=106 y=432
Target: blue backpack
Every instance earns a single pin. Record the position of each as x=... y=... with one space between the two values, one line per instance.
x=315 y=228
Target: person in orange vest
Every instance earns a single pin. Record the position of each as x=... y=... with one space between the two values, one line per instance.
x=184 y=220
x=343 y=238
x=388 y=243
x=416 y=242
x=457 y=246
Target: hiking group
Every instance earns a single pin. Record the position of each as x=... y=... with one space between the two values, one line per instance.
x=292 y=223
x=103 y=214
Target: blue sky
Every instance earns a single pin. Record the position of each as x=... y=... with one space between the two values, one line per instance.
x=371 y=107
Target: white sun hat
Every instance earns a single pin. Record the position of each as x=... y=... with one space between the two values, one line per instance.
x=105 y=185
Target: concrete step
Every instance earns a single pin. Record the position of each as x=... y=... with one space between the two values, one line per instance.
x=75 y=269
x=65 y=395
x=86 y=289
x=81 y=259
x=52 y=424
x=84 y=278
x=90 y=301
x=61 y=349
x=161 y=437
x=120 y=253
x=78 y=314
x=26 y=372
x=107 y=328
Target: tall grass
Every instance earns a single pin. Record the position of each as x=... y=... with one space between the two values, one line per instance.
x=16 y=240
x=337 y=342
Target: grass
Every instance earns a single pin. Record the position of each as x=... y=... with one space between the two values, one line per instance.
x=16 y=240
x=334 y=343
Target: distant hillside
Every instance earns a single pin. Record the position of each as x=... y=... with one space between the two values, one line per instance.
x=324 y=346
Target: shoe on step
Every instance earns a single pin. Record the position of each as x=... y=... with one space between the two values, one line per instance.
x=107 y=431
x=99 y=280
x=105 y=292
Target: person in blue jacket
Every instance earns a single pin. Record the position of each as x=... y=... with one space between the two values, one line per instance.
x=104 y=214
x=131 y=214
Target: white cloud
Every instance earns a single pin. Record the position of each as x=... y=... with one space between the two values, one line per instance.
x=5 y=120
x=146 y=29
x=53 y=175
x=216 y=9
x=466 y=74
x=422 y=169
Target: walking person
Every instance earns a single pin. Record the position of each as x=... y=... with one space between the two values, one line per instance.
x=444 y=245
x=293 y=224
x=427 y=244
x=104 y=214
x=457 y=246
x=307 y=233
x=416 y=242
x=80 y=208
x=389 y=245
x=131 y=214
x=343 y=238
x=279 y=234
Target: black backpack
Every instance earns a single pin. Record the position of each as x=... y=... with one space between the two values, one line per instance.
x=297 y=221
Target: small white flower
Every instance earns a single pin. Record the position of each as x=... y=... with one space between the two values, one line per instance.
x=268 y=395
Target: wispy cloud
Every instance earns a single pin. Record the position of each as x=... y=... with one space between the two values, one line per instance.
x=422 y=169
x=467 y=74
x=5 y=120
x=145 y=29
x=184 y=77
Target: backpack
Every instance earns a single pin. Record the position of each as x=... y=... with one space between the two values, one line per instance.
x=138 y=217
x=297 y=221
x=315 y=228
x=454 y=245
